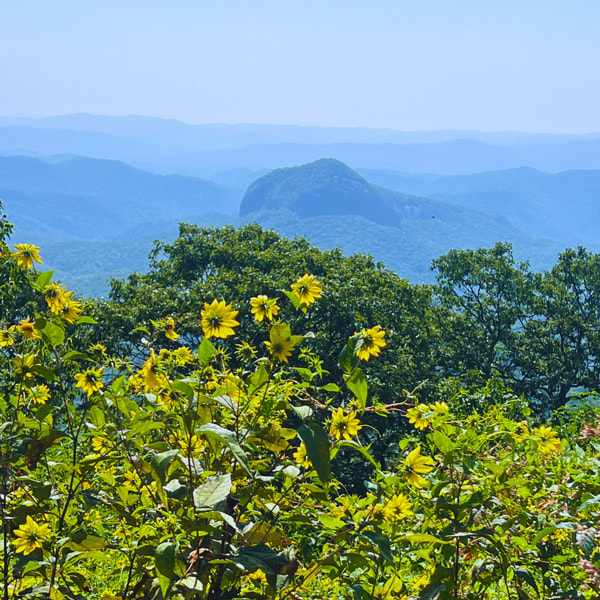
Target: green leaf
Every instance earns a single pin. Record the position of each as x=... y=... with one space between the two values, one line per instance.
x=293 y=298
x=44 y=372
x=585 y=540
x=43 y=279
x=228 y=438
x=206 y=351
x=348 y=359
x=86 y=320
x=73 y=355
x=432 y=590
x=164 y=561
x=357 y=384
x=382 y=542
x=317 y=447
x=330 y=387
x=331 y=522
x=159 y=464
x=262 y=557
x=443 y=442
x=304 y=412
x=53 y=334
x=361 y=449
x=214 y=490
x=525 y=575
x=257 y=380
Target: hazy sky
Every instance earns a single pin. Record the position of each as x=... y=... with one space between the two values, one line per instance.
x=420 y=64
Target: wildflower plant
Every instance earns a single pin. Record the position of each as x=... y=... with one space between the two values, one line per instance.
x=173 y=474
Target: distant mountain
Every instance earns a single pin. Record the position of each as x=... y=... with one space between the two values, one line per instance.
x=166 y=146
x=329 y=187
x=332 y=205
x=173 y=133
x=96 y=199
x=563 y=206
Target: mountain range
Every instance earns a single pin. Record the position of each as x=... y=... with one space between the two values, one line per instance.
x=96 y=191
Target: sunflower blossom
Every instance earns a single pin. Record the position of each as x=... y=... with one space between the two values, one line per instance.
x=30 y=536
x=153 y=378
x=27 y=329
x=308 y=289
x=371 y=342
x=420 y=416
x=301 y=457
x=397 y=508
x=39 y=394
x=344 y=425
x=70 y=311
x=90 y=381
x=547 y=440
x=7 y=337
x=55 y=296
x=218 y=319
x=170 y=329
x=264 y=307
x=281 y=348
x=416 y=465
x=26 y=254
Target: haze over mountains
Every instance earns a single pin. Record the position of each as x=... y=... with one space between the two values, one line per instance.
x=95 y=191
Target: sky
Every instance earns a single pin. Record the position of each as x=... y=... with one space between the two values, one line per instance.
x=490 y=65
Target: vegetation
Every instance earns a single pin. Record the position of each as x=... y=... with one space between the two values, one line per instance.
x=193 y=439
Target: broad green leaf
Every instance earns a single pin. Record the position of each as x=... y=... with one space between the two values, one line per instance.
x=164 y=560
x=443 y=442
x=348 y=359
x=214 y=490
x=525 y=575
x=331 y=522
x=304 y=412
x=257 y=380
x=382 y=542
x=228 y=438
x=357 y=384
x=317 y=447
x=432 y=590
x=86 y=320
x=206 y=351
x=43 y=279
x=160 y=462
x=293 y=298
x=330 y=387
x=53 y=334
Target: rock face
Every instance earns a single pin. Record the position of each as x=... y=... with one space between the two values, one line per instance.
x=323 y=187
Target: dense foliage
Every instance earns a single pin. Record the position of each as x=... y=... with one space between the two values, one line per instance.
x=197 y=453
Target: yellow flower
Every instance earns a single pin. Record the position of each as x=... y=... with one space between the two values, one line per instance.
x=30 y=536
x=308 y=289
x=370 y=342
x=153 y=379
x=301 y=457
x=281 y=348
x=547 y=440
x=439 y=408
x=419 y=416
x=27 y=329
x=417 y=465
x=170 y=329
x=263 y=306
x=55 y=296
x=7 y=337
x=23 y=364
x=90 y=381
x=397 y=508
x=26 y=254
x=218 y=319
x=100 y=445
x=39 y=394
x=344 y=425
x=190 y=445
x=70 y=311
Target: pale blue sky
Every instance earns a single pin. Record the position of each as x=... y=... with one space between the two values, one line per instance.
x=422 y=64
